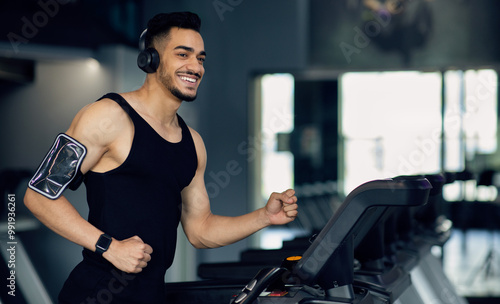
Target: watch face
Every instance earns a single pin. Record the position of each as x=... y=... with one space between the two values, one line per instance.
x=103 y=243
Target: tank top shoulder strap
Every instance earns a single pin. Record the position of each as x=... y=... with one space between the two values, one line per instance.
x=186 y=133
x=182 y=124
x=120 y=101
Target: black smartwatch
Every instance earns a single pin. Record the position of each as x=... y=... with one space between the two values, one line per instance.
x=103 y=243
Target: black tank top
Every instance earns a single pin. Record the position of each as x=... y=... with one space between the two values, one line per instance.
x=140 y=197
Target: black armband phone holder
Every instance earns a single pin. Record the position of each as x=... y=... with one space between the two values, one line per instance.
x=60 y=168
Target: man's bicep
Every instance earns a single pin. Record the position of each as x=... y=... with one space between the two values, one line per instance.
x=85 y=129
x=195 y=201
x=195 y=212
x=194 y=196
x=98 y=126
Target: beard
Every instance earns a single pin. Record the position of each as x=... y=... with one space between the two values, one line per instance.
x=177 y=93
x=168 y=83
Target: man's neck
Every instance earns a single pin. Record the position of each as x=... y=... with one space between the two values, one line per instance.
x=157 y=102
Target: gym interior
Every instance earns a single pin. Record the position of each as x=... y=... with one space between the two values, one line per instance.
x=384 y=121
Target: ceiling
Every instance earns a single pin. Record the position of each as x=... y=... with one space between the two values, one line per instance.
x=32 y=30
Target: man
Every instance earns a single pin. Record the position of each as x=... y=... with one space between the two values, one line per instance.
x=143 y=168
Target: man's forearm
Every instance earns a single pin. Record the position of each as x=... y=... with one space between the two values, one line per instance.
x=61 y=217
x=206 y=230
x=218 y=230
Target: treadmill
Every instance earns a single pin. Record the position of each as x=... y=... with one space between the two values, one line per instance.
x=324 y=273
x=426 y=227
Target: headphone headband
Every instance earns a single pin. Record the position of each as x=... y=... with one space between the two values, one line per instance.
x=142 y=40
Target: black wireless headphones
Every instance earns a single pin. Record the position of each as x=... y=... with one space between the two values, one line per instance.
x=148 y=59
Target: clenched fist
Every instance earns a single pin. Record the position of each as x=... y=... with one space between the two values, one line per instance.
x=281 y=208
x=130 y=255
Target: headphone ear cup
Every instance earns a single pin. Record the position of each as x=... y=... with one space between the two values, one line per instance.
x=148 y=60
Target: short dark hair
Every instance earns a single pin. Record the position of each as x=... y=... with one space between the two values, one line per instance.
x=160 y=25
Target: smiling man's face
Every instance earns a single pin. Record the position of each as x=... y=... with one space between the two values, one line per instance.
x=181 y=63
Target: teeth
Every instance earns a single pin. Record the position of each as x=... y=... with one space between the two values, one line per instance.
x=188 y=79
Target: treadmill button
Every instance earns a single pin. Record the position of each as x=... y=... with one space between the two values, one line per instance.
x=240 y=297
x=251 y=285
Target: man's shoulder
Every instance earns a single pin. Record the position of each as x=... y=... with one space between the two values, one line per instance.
x=100 y=120
x=195 y=135
x=103 y=109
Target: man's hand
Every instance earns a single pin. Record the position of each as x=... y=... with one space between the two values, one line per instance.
x=130 y=255
x=281 y=208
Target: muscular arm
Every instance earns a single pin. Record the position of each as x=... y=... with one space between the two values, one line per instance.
x=207 y=230
x=96 y=126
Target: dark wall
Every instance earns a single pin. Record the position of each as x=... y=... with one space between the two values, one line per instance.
x=314 y=141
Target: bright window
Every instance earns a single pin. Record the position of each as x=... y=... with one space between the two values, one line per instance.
x=391 y=125
x=277 y=117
